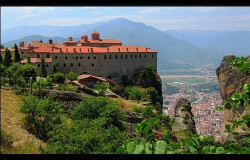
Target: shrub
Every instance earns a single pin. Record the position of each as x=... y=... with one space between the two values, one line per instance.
x=65 y=87
x=58 y=78
x=101 y=88
x=6 y=138
x=72 y=76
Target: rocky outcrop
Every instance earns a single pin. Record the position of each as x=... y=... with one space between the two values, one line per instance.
x=150 y=81
x=231 y=81
x=184 y=118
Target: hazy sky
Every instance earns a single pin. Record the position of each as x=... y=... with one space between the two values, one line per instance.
x=163 y=18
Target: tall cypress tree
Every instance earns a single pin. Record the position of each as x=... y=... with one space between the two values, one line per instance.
x=43 y=71
x=7 y=58
x=1 y=59
x=17 y=55
x=54 y=69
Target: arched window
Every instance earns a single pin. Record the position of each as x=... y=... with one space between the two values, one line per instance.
x=92 y=64
x=105 y=57
x=94 y=57
x=126 y=56
x=76 y=57
x=64 y=64
x=55 y=57
x=115 y=56
x=38 y=56
x=110 y=57
x=66 y=57
x=71 y=64
x=88 y=57
x=79 y=64
x=80 y=57
x=48 y=56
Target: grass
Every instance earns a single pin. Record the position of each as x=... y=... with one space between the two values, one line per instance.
x=11 y=122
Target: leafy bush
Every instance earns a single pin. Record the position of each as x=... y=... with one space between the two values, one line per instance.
x=101 y=88
x=58 y=77
x=153 y=94
x=84 y=137
x=118 y=89
x=95 y=107
x=66 y=87
x=72 y=76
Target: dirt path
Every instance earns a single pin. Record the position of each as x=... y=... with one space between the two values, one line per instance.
x=11 y=122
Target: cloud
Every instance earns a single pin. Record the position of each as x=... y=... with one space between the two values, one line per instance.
x=29 y=12
x=96 y=13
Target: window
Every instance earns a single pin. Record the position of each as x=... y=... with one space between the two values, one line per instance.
x=38 y=65
x=135 y=56
x=92 y=64
x=48 y=56
x=110 y=57
x=22 y=52
x=38 y=56
x=47 y=65
x=139 y=55
x=79 y=64
x=71 y=64
x=80 y=57
x=105 y=57
x=64 y=64
x=88 y=57
x=55 y=57
x=121 y=57
x=66 y=57
x=145 y=56
x=152 y=55
x=115 y=56
x=131 y=56
x=76 y=57
x=126 y=56
x=94 y=57
x=57 y=64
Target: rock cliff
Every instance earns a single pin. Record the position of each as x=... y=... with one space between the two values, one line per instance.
x=231 y=81
x=184 y=118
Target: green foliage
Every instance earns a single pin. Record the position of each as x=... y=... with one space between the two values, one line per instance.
x=1 y=59
x=41 y=116
x=118 y=89
x=67 y=87
x=42 y=83
x=28 y=59
x=134 y=93
x=7 y=58
x=72 y=76
x=153 y=94
x=54 y=69
x=240 y=63
x=43 y=71
x=17 y=55
x=58 y=78
x=147 y=71
x=84 y=137
x=125 y=80
x=95 y=107
x=101 y=88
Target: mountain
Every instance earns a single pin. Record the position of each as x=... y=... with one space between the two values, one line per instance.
x=172 y=53
x=229 y=41
x=34 y=38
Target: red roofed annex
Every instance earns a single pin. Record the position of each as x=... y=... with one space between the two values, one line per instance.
x=96 y=56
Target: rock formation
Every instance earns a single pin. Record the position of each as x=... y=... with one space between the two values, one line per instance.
x=184 y=118
x=231 y=81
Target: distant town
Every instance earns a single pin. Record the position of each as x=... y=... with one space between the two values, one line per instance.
x=203 y=100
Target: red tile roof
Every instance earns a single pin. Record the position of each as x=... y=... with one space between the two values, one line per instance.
x=37 y=60
x=102 y=41
x=84 y=76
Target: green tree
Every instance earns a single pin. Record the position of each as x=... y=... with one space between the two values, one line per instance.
x=54 y=69
x=135 y=93
x=153 y=94
x=28 y=59
x=17 y=55
x=58 y=77
x=41 y=116
x=72 y=76
x=41 y=41
x=1 y=59
x=7 y=58
x=43 y=71
x=148 y=70
x=101 y=88
x=95 y=107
